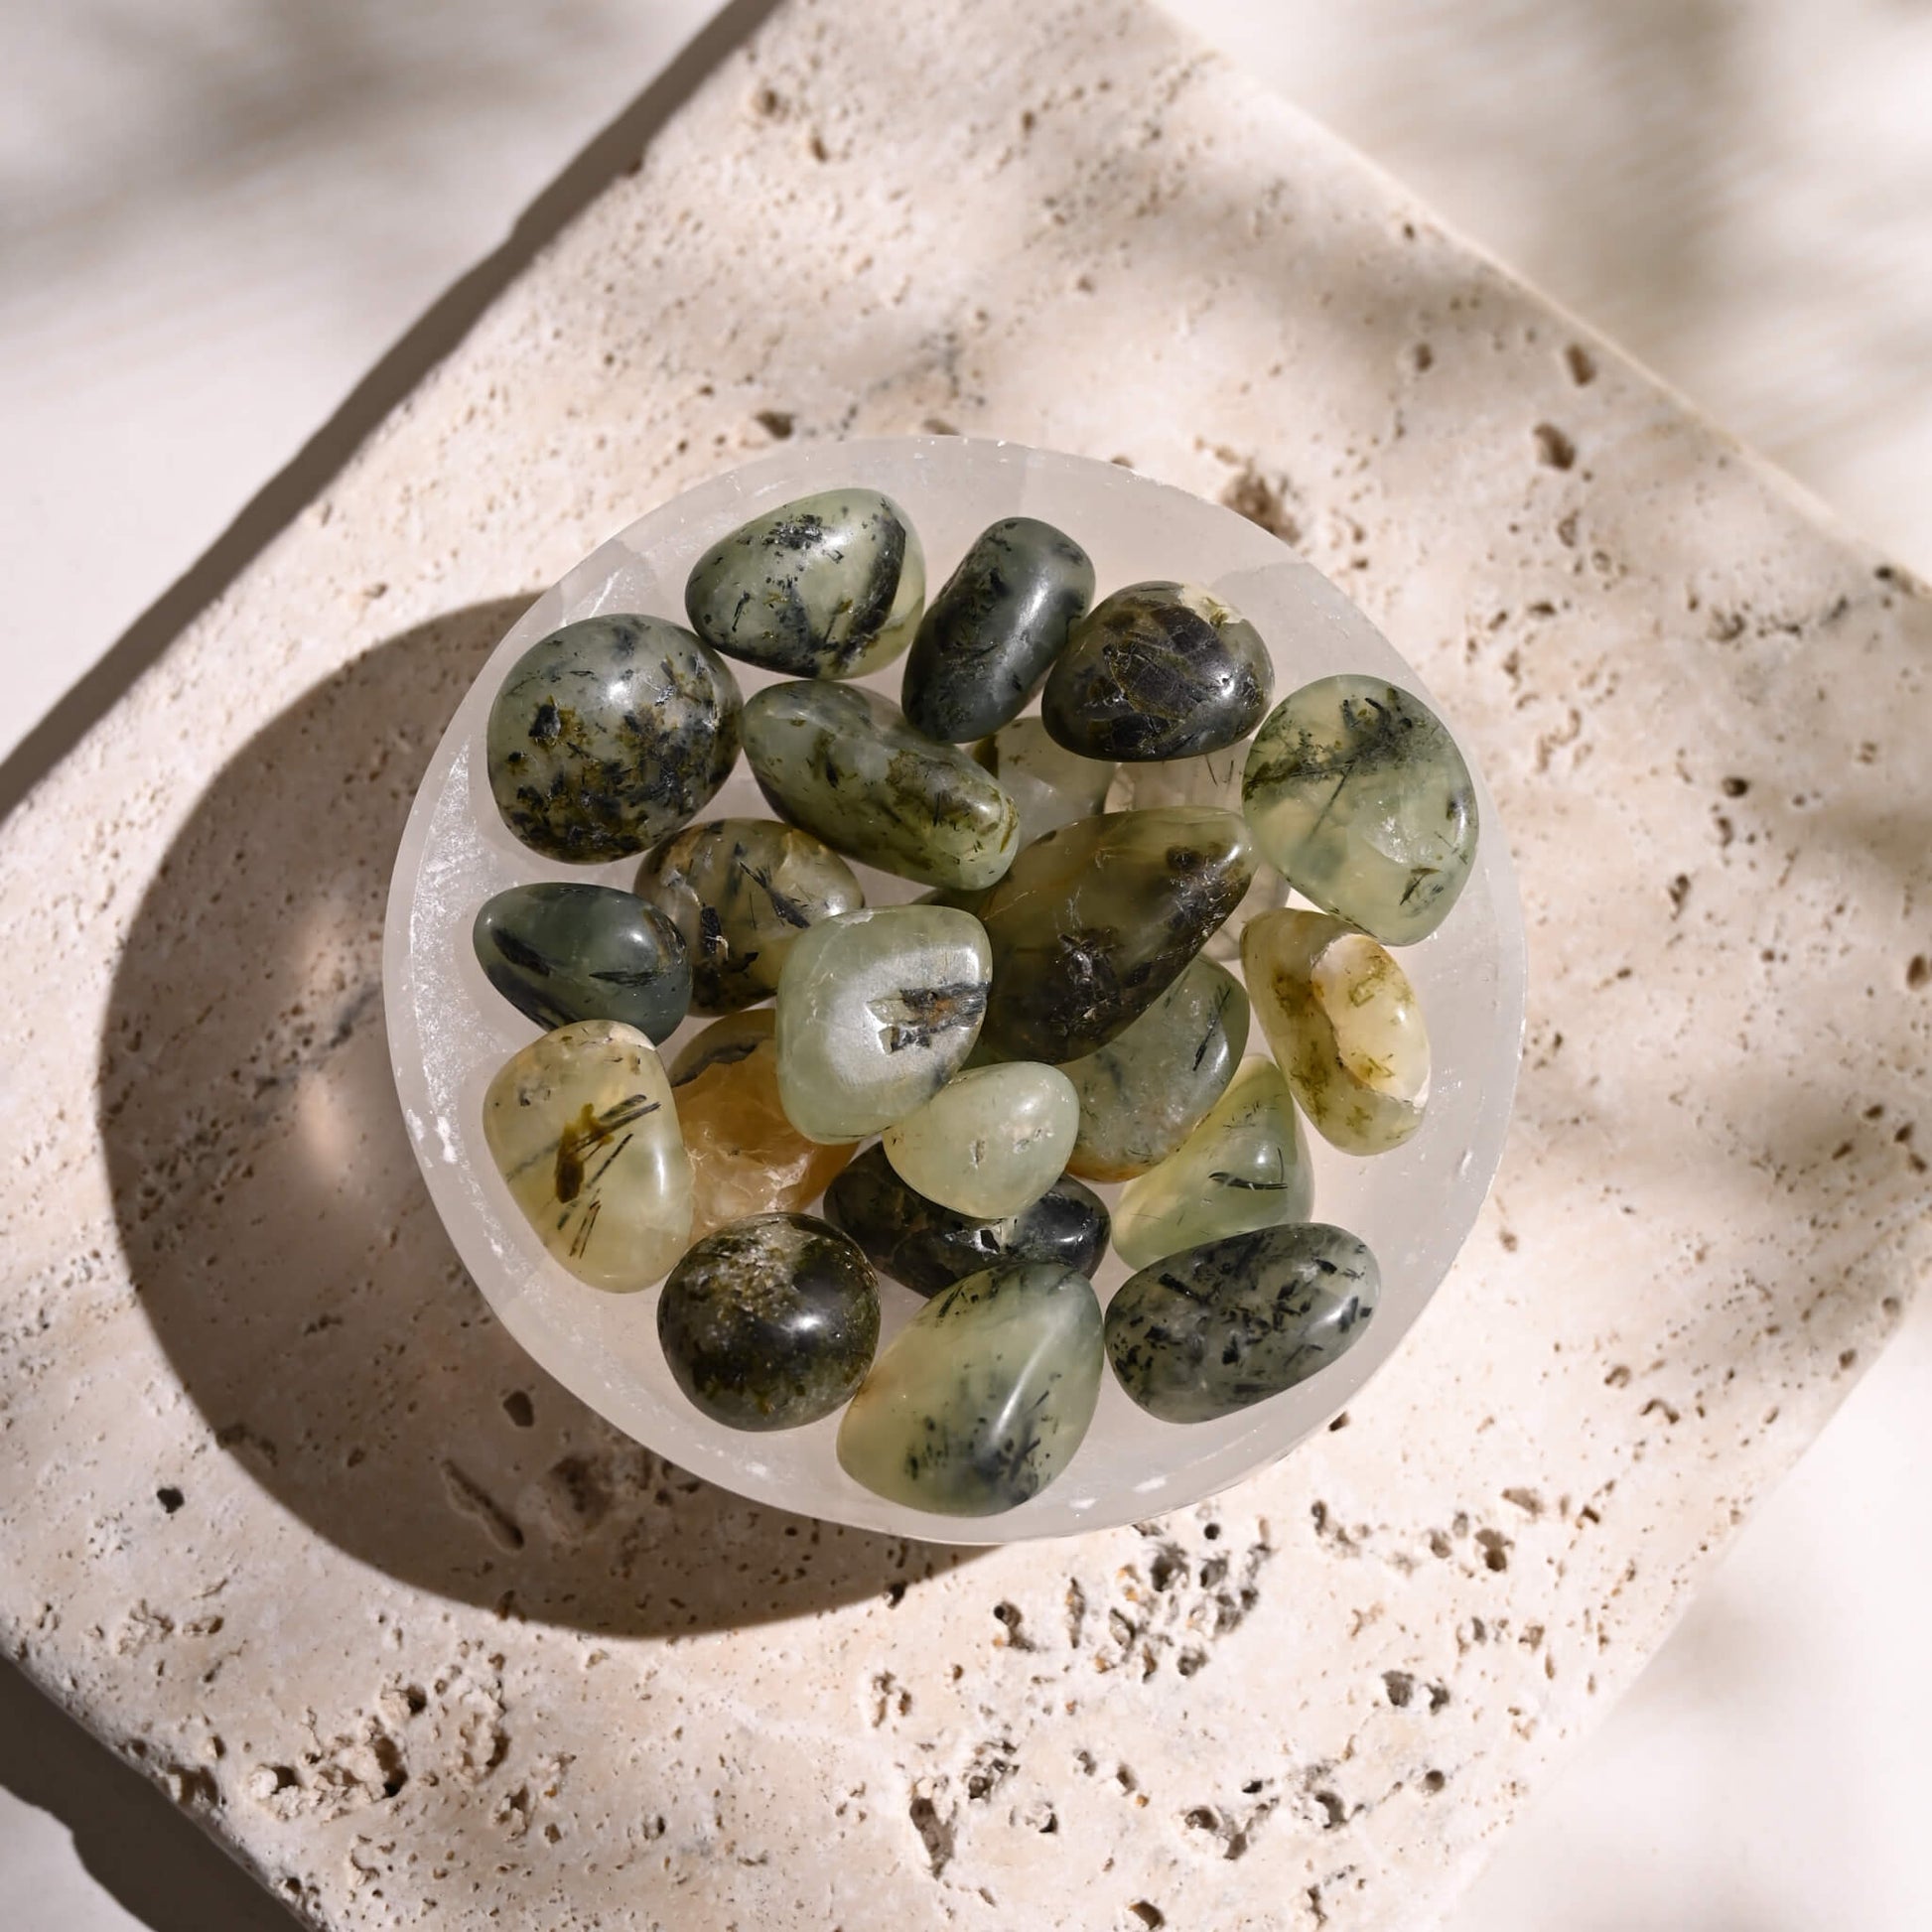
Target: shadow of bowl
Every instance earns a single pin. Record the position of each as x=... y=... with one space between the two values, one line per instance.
x=279 y=1234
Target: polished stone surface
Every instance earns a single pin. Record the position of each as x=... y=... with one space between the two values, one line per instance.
x=745 y=1157
x=928 y=1246
x=581 y=1126
x=1358 y=794
x=1211 y=779
x=876 y=1012
x=1095 y=921
x=981 y=1399
x=740 y=891
x=845 y=764
x=1141 y=1094
x=769 y=1323
x=563 y=950
x=1157 y=670
x=610 y=733
x=828 y=586
x=1245 y=1167
x=1049 y=785
x=1345 y=1025
x=1218 y=1327
x=994 y=628
x=991 y=1141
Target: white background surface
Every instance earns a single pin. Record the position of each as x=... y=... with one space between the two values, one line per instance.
x=217 y=218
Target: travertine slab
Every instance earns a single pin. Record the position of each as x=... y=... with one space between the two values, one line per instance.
x=287 y=1518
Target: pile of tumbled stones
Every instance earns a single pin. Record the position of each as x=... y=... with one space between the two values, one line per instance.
x=1054 y=1010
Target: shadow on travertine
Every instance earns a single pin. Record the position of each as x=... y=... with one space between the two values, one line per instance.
x=286 y=1250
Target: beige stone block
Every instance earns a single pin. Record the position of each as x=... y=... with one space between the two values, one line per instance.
x=290 y=1521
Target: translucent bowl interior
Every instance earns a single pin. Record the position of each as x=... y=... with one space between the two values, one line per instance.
x=449 y=1031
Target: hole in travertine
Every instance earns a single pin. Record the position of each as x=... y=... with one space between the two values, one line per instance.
x=1400 y=1686
x=1434 y=1781
x=1734 y=787
x=776 y=423
x=1212 y=1530
x=170 y=1498
x=1553 y=447
x=1495 y=1549
x=1918 y=971
x=1149 y=1916
x=1581 y=363
x=519 y=1408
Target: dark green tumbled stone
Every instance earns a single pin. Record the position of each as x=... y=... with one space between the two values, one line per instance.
x=996 y=626
x=740 y=891
x=1095 y=921
x=609 y=735
x=769 y=1323
x=1157 y=670
x=561 y=951
x=828 y=586
x=929 y=1247
x=1215 y=1329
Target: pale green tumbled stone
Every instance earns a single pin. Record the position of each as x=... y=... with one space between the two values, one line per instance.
x=992 y=1141
x=1344 y=1022
x=876 y=1012
x=1360 y=797
x=1245 y=1167
x=582 y=1128
x=1049 y=785
x=844 y=764
x=980 y=1400
x=1144 y=1092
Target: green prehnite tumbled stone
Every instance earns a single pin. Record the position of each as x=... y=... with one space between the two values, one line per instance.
x=608 y=735
x=1049 y=785
x=845 y=764
x=1202 y=1333
x=929 y=1247
x=1212 y=779
x=1143 y=1093
x=1095 y=921
x=981 y=1399
x=828 y=586
x=1245 y=1167
x=1157 y=670
x=994 y=628
x=990 y=1140
x=582 y=1127
x=1358 y=794
x=1344 y=1022
x=877 y=1011
x=769 y=1323
x=560 y=951
x=740 y=891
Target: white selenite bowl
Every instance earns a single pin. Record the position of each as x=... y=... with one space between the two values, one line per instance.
x=449 y=1030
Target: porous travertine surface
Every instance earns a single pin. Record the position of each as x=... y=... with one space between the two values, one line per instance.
x=288 y=1519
